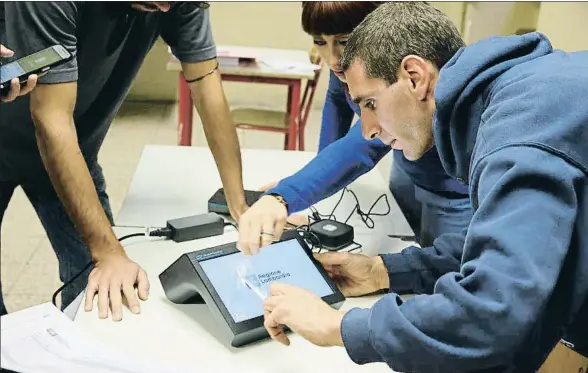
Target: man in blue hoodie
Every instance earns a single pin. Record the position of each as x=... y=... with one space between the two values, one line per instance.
x=508 y=115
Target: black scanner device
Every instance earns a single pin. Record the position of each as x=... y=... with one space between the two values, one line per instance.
x=186 y=282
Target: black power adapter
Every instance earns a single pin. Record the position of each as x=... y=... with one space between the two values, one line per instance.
x=332 y=235
x=194 y=227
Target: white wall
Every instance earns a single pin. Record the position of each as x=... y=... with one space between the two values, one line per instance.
x=565 y=23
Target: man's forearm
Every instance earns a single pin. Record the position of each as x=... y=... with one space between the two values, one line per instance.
x=221 y=136
x=72 y=181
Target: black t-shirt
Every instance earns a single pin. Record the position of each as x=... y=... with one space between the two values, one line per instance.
x=109 y=41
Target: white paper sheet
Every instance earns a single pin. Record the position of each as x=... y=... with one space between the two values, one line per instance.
x=43 y=339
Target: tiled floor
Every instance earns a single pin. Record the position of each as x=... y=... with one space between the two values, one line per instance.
x=28 y=264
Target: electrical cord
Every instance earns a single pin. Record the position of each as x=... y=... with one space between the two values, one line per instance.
x=366 y=217
x=163 y=232
x=229 y=224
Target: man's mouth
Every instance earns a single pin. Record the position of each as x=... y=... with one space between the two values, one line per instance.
x=393 y=144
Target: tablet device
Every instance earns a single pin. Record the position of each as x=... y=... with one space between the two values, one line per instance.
x=233 y=284
x=218 y=202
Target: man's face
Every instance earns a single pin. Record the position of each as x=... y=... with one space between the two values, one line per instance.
x=152 y=6
x=394 y=113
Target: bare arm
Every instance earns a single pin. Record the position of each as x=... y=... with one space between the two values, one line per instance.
x=221 y=134
x=52 y=108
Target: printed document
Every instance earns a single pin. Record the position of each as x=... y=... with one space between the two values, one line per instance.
x=43 y=339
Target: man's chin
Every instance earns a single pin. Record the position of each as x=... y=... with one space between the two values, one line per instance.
x=410 y=155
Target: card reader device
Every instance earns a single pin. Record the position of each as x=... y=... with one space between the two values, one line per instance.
x=233 y=285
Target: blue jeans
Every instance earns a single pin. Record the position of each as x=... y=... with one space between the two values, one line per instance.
x=428 y=214
x=71 y=252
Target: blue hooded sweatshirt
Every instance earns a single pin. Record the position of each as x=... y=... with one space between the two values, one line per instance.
x=511 y=118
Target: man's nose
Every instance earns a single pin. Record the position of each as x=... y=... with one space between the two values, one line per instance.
x=369 y=126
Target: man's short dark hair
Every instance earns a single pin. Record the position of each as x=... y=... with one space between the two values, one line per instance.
x=398 y=29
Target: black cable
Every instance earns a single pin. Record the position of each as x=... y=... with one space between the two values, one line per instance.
x=358 y=246
x=317 y=216
x=163 y=232
x=229 y=224
x=307 y=235
x=337 y=204
x=366 y=217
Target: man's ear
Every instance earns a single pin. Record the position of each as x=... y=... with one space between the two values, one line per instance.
x=417 y=71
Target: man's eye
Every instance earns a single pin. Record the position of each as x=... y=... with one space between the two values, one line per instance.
x=342 y=42
x=370 y=104
x=320 y=43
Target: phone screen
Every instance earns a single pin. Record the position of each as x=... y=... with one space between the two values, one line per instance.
x=29 y=64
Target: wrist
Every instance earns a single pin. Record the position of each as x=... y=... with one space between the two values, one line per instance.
x=105 y=251
x=238 y=205
x=380 y=274
x=280 y=199
x=335 y=336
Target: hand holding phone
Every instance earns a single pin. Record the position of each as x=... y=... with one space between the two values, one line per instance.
x=19 y=77
x=15 y=89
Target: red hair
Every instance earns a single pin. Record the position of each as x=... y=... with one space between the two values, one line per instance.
x=335 y=17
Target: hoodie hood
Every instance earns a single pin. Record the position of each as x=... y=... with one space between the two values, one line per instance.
x=460 y=91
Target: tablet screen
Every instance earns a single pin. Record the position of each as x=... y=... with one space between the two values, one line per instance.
x=285 y=262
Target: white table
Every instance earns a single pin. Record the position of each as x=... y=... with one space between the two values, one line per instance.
x=187 y=333
x=176 y=181
x=172 y=182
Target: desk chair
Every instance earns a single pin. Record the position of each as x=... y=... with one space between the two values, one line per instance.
x=277 y=120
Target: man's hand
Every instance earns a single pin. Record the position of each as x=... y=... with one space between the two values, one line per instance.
x=296 y=220
x=113 y=277
x=261 y=224
x=355 y=274
x=15 y=88
x=304 y=313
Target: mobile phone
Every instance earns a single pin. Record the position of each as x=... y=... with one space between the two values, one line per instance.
x=36 y=63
